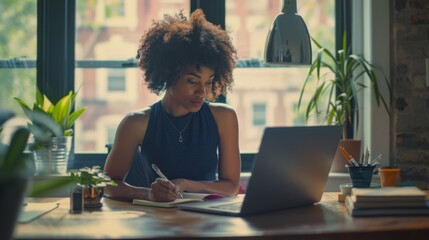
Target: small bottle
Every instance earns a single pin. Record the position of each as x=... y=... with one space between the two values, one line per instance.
x=76 y=199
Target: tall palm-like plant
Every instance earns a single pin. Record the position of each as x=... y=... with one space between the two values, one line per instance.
x=342 y=84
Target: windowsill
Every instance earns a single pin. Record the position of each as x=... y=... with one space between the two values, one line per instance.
x=332 y=185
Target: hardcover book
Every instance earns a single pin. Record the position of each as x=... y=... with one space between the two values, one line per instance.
x=388 y=193
x=387 y=201
x=384 y=211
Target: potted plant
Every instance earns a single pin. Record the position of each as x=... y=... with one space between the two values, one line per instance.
x=92 y=181
x=51 y=157
x=341 y=85
x=16 y=169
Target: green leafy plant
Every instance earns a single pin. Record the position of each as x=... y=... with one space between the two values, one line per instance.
x=61 y=112
x=15 y=157
x=16 y=169
x=12 y=155
x=341 y=84
x=94 y=177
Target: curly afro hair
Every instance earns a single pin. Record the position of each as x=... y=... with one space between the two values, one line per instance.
x=175 y=42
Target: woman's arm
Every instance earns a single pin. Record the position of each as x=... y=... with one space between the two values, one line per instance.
x=229 y=156
x=129 y=135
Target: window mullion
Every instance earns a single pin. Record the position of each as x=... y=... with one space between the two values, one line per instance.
x=131 y=63
x=214 y=11
x=55 y=47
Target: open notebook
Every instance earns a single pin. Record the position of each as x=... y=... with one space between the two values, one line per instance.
x=187 y=198
x=290 y=170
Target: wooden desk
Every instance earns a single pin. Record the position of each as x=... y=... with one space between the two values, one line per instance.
x=121 y=220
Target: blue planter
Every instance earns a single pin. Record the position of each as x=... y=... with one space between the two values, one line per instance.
x=361 y=176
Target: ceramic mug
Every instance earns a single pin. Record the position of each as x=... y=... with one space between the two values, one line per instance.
x=390 y=177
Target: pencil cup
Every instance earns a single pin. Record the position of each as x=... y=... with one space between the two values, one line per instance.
x=390 y=177
x=361 y=176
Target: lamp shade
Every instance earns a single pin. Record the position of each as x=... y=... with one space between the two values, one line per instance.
x=288 y=41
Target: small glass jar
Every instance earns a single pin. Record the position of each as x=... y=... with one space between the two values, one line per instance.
x=76 y=198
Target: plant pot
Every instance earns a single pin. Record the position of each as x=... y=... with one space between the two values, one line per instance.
x=12 y=192
x=51 y=158
x=353 y=147
x=92 y=197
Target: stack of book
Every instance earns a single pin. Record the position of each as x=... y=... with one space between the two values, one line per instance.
x=387 y=201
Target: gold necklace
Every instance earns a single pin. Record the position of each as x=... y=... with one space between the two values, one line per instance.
x=172 y=124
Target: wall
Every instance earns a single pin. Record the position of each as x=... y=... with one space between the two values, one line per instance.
x=410 y=48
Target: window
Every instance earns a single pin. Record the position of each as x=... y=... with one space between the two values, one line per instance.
x=259 y=114
x=103 y=46
x=115 y=13
x=111 y=134
x=116 y=80
x=114 y=85
x=96 y=21
x=18 y=51
x=107 y=34
x=114 y=9
x=248 y=24
x=107 y=38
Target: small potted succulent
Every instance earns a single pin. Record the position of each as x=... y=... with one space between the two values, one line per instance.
x=92 y=181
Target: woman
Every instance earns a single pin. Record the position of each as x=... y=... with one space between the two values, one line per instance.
x=188 y=138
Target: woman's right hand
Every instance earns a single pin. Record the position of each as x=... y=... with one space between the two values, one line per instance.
x=163 y=191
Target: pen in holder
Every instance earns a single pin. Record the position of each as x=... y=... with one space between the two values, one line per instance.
x=348 y=157
x=360 y=173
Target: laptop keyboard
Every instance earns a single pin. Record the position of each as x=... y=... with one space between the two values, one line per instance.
x=229 y=206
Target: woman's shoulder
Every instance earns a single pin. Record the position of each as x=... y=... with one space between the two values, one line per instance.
x=221 y=108
x=222 y=111
x=137 y=117
x=133 y=126
x=139 y=114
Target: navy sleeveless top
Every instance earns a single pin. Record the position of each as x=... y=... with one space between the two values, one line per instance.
x=196 y=158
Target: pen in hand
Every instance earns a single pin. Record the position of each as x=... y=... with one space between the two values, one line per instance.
x=158 y=171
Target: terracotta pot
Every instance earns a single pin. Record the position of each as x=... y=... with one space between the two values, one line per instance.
x=353 y=147
x=92 y=197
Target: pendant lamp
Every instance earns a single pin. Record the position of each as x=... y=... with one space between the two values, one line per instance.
x=288 y=41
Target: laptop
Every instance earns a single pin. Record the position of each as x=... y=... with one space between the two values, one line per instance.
x=290 y=170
